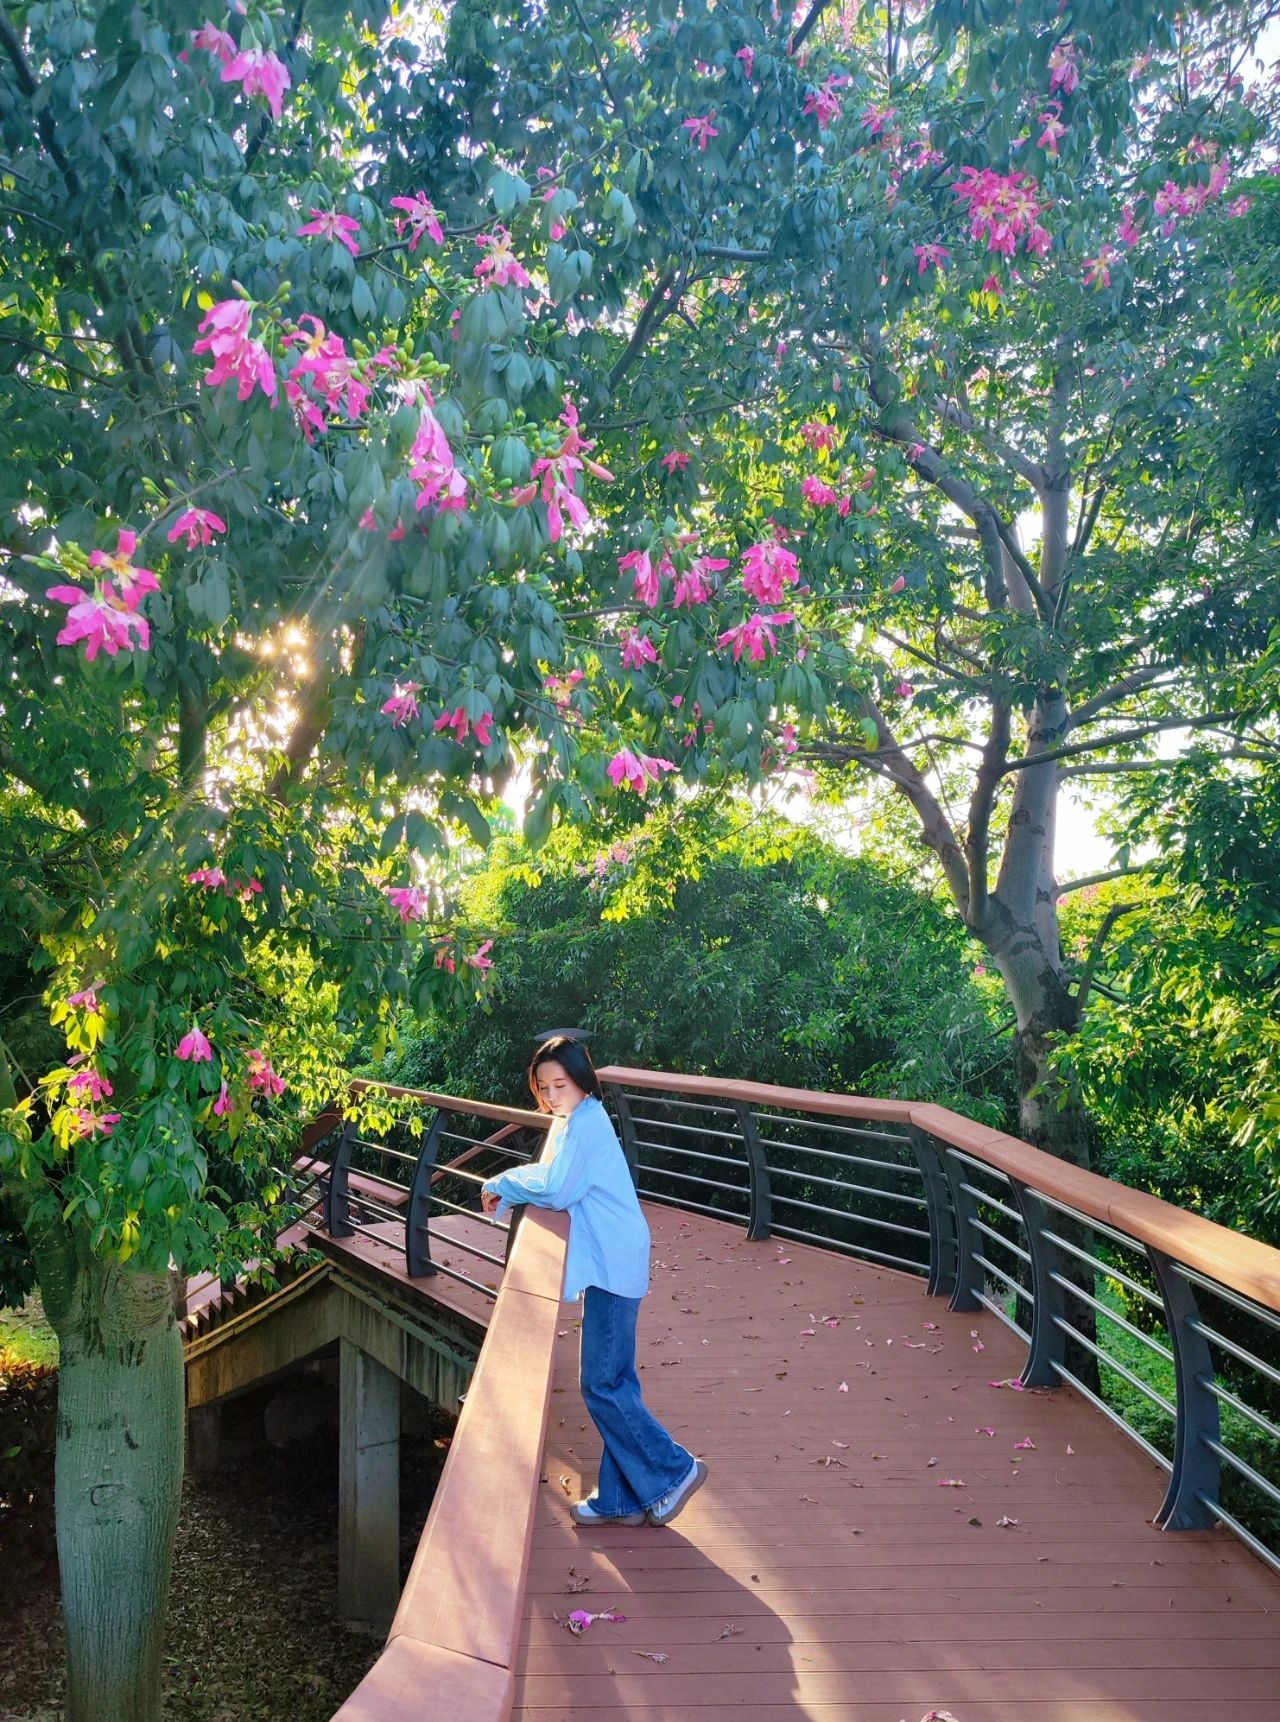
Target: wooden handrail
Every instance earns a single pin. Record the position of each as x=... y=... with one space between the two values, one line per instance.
x=457 y=1103
x=452 y=1647
x=1241 y=1263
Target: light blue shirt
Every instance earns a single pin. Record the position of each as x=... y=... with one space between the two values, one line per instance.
x=584 y=1171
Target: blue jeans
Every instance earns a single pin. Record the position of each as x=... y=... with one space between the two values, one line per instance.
x=640 y=1461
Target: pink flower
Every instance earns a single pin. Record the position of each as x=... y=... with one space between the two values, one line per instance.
x=411 y=901
x=701 y=129
x=1240 y=206
x=755 y=635
x=499 y=263
x=1054 y=130
x=930 y=254
x=444 y=958
x=402 y=708
x=994 y=286
x=1097 y=272
x=93 y=1123
x=748 y=58
x=194 y=1047
x=637 y=651
x=262 y=1076
x=100 y=620
x=1130 y=232
x=767 y=569
x=214 y=41
x=675 y=460
x=330 y=367
x=560 y=688
x=261 y=74
x=116 y=569
x=904 y=690
x=85 y=1000
x=212 y=878
x=787 y=737
x=458 y=721
x=819 y=435
x=431 y=464
x=89 y=1084
x=916 y=451
x=698 y=585
x=480 y=959
x=1064 y=68
x=199 y=526
x=824 y=102
x=236 y=355
x=648 y=580
x=420 y=217
x=341 y=229
x=637 y=770
x=874 y=119
x=815 y=492
x=222 y=1105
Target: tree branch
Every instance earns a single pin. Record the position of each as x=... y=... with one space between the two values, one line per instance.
x=647 y=324
x=1121 y=737
x=1088 y=879
x=1091 y=961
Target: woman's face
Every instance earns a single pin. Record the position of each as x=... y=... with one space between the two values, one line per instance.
x=557 y=1090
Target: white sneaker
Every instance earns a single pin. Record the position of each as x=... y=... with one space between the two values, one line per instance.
x=663 y=1511
x=586 y=1513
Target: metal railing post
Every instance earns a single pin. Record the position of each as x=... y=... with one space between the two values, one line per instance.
x=760 y=1195
x=943 y=1251
x=626 y=1129
x=1048 y=1351
x=417 y=1237
x=1196 y=1467
x=337 y=1201
x=964 y=1207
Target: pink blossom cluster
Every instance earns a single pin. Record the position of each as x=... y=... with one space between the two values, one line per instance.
x=107 y=619
x=755 y=635
x=637 y=770
x=697 y=585
x=499 y=265
x=432 y=465
x=768 y=568
x=214 y=879
x=237 y=356
x=647 y=579
x=560 y=689
x=257 y=70
x=197 y=526
x=819 y=435
x=559 y=474
x=462 y=726
x=261 y=1076
x=637 y=651
x=339 y=229
x=817 y=492
x=1003 y=209
x=1064 y=68
x=700 y=129
x=411 y=901
x=1173 y=202
x=421 y=218
x=824 y=103
x=402 y=707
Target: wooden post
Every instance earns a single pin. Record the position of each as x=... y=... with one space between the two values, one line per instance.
x=204 y=1434
x=368 y=1493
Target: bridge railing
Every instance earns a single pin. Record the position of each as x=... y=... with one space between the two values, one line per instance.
x=370 y=1185
x=1167 y=1323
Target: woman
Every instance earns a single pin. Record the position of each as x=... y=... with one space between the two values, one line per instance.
x=643 y=1471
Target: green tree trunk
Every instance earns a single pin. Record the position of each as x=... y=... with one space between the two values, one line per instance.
x=119 y=1474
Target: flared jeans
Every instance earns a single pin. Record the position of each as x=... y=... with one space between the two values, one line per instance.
x=640 y=1462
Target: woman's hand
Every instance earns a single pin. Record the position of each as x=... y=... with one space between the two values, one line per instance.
x=489 y=1200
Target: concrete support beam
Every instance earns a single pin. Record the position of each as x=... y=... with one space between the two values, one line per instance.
x=368 y=1492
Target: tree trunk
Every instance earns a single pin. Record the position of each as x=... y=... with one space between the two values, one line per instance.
x=119 y=1473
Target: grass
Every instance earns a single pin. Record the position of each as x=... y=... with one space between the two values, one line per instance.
x=27 y=1336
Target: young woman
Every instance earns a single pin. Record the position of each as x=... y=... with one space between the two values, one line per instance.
x=643 y=1472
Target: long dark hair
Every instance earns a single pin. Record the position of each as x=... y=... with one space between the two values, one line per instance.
x=573 y=1058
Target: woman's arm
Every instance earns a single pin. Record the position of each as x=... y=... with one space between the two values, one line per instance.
x=554 y=1183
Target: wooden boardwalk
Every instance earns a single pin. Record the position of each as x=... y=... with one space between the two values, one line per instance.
x=883 y=1535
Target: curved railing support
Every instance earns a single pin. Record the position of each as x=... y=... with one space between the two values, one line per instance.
x=1196 y=1475
x=417 y=1221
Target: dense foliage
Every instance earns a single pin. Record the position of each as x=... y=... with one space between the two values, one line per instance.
x=732 y=944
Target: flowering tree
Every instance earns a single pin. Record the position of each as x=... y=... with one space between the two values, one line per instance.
x=322 y=338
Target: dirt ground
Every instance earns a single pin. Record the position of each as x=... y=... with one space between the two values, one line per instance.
x=253 y=1635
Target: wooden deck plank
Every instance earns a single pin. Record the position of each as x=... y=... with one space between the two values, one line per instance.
x=862 y=1591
